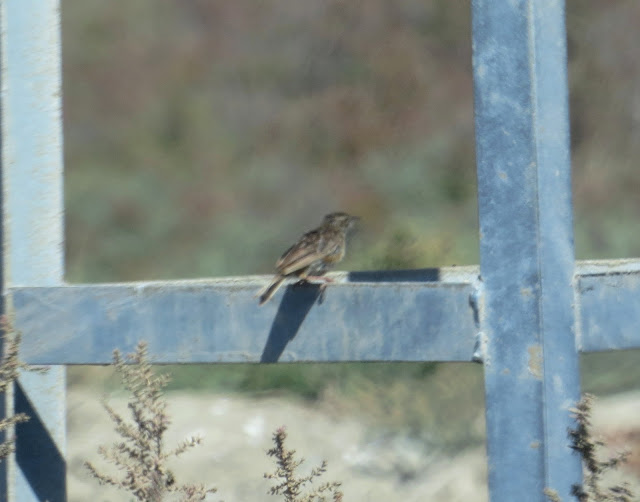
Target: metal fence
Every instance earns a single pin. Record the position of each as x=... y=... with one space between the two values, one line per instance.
x=526 y=313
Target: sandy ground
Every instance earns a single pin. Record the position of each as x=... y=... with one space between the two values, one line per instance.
x=237 y=432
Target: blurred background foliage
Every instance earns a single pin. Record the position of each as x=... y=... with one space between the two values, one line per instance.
x=203 y=137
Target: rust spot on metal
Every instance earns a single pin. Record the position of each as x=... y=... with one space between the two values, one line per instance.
x=535 y=360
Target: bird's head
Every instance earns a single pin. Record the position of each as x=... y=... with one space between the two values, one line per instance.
x=340 y=221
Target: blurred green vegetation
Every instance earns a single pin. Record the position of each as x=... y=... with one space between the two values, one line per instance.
x=214 y=133
x=202 y=137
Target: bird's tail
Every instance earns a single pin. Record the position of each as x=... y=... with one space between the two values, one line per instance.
x=271 y=289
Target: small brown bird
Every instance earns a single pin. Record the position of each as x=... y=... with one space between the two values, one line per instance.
x=314 y=253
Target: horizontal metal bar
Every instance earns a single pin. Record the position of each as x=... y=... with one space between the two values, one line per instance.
x=423 y=315
x=397 y=316
x=609 y=295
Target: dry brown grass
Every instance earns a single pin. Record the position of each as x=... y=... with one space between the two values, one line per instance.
x=583 y=440
x=9 y=368
x=289 y=484
x=141 y=455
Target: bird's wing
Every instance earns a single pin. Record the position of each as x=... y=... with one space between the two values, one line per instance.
x=302 y=254
x=331 y=244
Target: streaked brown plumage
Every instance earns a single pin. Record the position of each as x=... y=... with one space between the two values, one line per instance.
x=314 y=253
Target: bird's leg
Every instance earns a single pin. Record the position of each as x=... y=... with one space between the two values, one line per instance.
x=321 y=278
x=310 y=279
x=324 y=281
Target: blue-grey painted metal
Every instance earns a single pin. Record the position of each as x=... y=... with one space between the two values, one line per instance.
x=220 y=321
x=32 y=224
x=526 y=246
x=520 y=319
x=609 y=298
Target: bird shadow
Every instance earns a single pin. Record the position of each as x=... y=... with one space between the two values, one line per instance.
x=294 y=307
x=415 y=275
x=300 y=297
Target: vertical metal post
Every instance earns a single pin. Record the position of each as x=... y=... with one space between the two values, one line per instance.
x=526 y=245
x=32 y=226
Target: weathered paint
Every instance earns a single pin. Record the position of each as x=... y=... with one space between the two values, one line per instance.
x=526 y=245
x=609 y=296
x=430 y=315
x=220 y=321
x=519 y=320
x=32 y=226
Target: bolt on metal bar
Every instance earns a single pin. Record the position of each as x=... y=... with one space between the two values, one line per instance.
x=526 y=246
